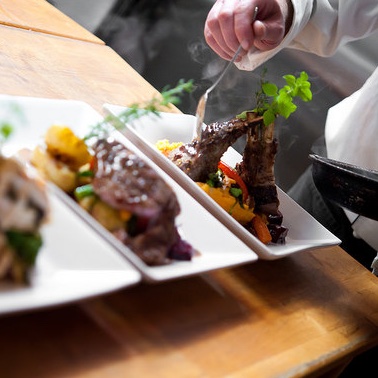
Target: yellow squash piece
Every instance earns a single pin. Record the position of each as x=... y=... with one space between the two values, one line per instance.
x=229 y=203
x=64 y=145
x=53 y=170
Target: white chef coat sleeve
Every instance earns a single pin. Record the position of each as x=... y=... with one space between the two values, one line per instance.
x=320 y=27
x=333 y=23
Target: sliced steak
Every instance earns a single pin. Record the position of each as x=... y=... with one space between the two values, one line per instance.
x=126 y=182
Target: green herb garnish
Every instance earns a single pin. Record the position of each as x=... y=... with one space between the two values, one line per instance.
x=167 y=96
x=215 y=179
x=12 y=117
x=26 y=245
x=272 y=101
x=6 y=130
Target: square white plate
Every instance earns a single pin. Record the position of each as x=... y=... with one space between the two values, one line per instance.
x=217 y=246
x=73 y=263
x=305 y=232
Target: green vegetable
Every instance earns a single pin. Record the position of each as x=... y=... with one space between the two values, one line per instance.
x=135 y=111
x=236 y=192
x=26 y=245
x=86 y=173
x=11 y=119
x=6 y=130
x=83 y=191
x=272 y=101
x=215 y=179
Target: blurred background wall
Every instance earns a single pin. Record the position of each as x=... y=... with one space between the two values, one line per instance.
x=163 y=41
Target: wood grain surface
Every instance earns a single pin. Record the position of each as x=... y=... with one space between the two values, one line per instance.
x=296 y=317
x=41 y=16
x=43 y=65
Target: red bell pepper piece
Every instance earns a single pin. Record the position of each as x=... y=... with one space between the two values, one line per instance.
x=231 y=173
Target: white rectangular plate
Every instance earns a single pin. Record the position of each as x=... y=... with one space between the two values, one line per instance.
x=305 y=232
x=217 y=246
x=73 y=263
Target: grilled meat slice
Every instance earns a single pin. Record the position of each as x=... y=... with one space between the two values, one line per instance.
x=7 y=257
x=125 y=182
x=200 y=158
x=257 y=172
x=257 y=166
x=23 y=201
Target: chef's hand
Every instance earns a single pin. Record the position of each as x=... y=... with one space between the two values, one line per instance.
x=229 y=24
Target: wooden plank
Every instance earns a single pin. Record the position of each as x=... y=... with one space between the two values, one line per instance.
x=292 y=317
x=41 y=16
x=42 y=65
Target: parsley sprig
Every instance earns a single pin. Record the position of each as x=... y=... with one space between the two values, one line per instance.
x=12 y=116
x=168 y=96
x=272 y=101
x=6 y=129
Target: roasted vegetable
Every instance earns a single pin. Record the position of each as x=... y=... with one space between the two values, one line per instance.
x=64 y=146
x=241 y=212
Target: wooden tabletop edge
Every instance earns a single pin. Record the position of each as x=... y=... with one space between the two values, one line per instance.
x=94 y=38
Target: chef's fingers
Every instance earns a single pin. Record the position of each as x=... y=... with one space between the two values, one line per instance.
x=266 y=32
x=230 y=23
x=217 y=48
x=268 y=35
x=220 y=29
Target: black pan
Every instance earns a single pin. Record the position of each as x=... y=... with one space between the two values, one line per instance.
x=347 y=185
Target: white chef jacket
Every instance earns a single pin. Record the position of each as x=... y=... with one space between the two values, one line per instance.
x=351 y=130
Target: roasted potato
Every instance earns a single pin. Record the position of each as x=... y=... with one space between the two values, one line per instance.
x=65 y=146
x=55 y=171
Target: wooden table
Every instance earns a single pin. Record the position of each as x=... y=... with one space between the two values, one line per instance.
x=41 y=16
x=301 y=316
